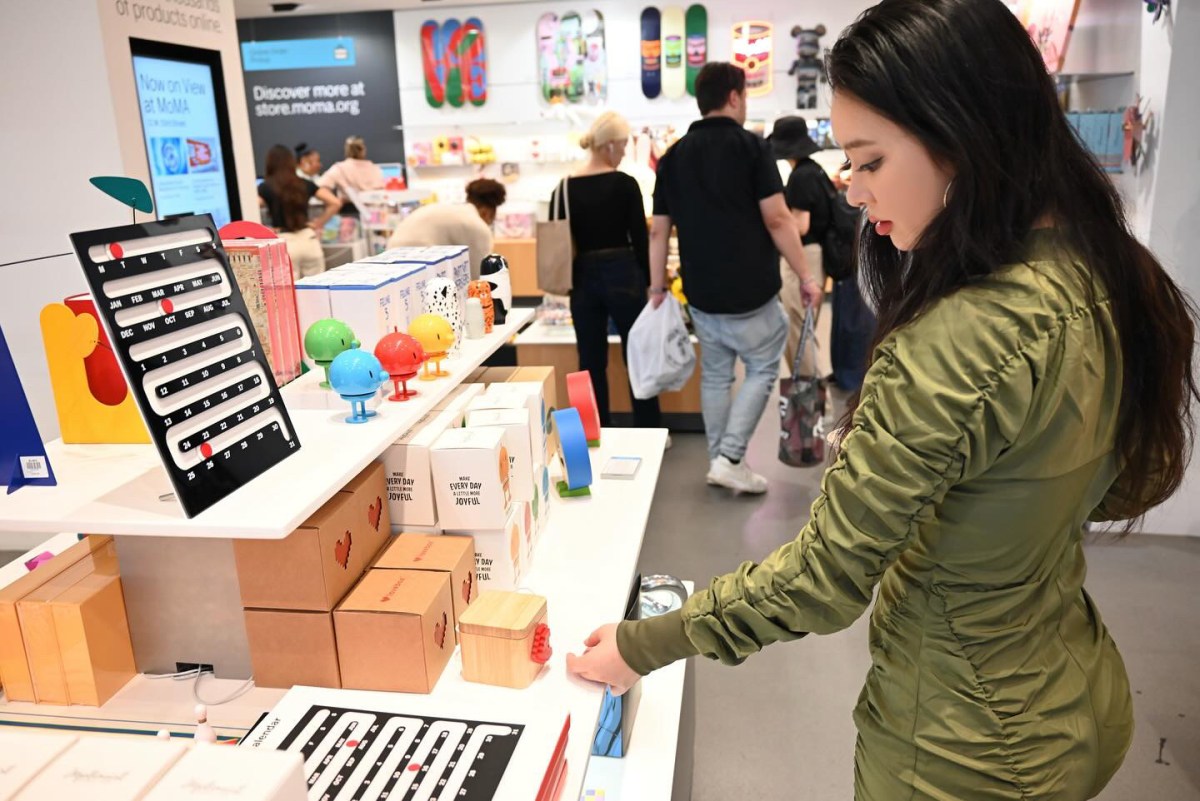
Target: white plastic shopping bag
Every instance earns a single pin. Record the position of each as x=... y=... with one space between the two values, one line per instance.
x=660 y=354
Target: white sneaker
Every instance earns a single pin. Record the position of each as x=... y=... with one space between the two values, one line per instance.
x=737 y=477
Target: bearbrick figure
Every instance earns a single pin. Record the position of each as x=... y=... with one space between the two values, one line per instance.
x=807 y=66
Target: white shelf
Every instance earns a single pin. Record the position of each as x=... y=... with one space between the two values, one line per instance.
x=540 y=333
x=118 y=489
x=584 y=565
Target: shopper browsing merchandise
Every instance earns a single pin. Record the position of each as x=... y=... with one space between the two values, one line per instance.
x=308 y=163
x=1033 y=371
x=612 y=258
x=285 y=197
x=719 y=187
x=354 y=174
x=468 y=224
x=808 y=201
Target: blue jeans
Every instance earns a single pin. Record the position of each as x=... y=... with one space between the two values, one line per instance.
x=757 y=338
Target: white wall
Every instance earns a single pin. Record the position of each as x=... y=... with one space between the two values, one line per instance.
x=1171 y=63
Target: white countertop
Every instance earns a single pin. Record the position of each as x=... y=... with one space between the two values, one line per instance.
x=116 y=489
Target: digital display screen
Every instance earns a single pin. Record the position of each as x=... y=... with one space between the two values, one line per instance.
x=186 y=131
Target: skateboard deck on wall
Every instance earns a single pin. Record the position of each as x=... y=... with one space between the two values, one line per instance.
x=651 y=52
x=547 y=38
x=696 y=26
x=451 y=36
x=674 y=75
x=595 y=67
x=474 y=57
x=432 y=64
x=570 y=32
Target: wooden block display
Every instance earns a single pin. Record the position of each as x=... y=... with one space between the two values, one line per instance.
x=505 y=639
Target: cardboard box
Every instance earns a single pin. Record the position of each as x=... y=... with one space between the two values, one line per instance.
x=314 y=566
x=24 y=754
x=500 y=553
x=37 y=624
x=290 y=647
x=471 y=478
x=515 y=423
x=393 y=631
x=406 y=465
x=93 y=639
x=233 y=774
x=544 y=375
x=14 y=666
x=454 y=556
x=105 y=769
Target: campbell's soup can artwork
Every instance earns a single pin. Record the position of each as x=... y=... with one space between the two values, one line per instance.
x=752 y=44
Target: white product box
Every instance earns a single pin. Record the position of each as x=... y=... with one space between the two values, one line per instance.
x=312 y=304
x=471 y=478
x=24 y=754
x=407 y=529
x=365 y=301
x=105 y=769
x=526 y=395
x=233 y=774
x=459 y=399
x=541 y=500
x=501 y=554
x=410 y=288
x=515 y=423
x=406 y=468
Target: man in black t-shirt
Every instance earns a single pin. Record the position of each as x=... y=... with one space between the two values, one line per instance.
x=720 y=188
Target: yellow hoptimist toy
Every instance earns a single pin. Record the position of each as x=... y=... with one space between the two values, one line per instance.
x=436 y=337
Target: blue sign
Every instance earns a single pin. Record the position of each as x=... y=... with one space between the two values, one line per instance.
x=297 y=54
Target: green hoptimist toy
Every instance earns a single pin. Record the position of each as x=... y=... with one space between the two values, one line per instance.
x=324 y=340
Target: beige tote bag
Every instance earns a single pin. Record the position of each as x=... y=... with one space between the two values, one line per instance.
x=555 y=250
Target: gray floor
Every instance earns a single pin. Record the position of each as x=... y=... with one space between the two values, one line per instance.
x=756 y=738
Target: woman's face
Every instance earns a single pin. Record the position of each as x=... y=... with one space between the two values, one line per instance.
x=894 y=176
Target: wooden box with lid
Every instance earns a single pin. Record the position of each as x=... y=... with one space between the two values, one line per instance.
x=505 y=639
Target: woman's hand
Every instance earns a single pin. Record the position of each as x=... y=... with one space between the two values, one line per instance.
x=602 y=661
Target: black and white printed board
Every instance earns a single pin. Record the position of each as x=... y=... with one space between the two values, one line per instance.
x=191 y=356
x=369 y=746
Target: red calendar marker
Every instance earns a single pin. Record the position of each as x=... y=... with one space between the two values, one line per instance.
x=206 y=450
x=167 y=305
x=115 y=250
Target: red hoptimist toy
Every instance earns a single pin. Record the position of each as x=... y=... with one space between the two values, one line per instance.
x=401 y=356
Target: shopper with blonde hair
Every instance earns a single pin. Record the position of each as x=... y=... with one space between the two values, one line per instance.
x=612 y=257
x=355 y=173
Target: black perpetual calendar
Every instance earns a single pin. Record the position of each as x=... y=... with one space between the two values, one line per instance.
x=189 y=352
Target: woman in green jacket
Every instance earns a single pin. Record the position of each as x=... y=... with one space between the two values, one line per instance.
x=1032 y=371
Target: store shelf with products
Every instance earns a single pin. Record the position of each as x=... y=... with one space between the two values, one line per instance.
x=603 y=532
x=123 y=489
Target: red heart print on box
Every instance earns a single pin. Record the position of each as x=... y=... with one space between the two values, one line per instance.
x=341 y=551
x=439 y=632
x=375 y=512
x=468 y=586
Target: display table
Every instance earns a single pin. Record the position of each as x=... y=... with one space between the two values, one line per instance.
x=123 y=489
x=584 y=564
x=554 y=345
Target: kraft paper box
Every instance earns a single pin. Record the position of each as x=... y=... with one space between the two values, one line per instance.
x=451 y=555
x=314 y=566
x=500 y=554
x=543 y=375
x=291 y=647
x=37 y=624
x=406 y=465
x=393 y=631
x=93 y=639
x=105 y=769
x=24 y=754
x=515 y=423
x=207 y=773
x=14 y=667
x=471 y=478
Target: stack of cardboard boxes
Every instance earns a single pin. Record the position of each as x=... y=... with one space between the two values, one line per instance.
x=64 y=634
x=290 y=587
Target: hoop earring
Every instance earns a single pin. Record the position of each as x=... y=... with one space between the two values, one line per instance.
x=946 y=194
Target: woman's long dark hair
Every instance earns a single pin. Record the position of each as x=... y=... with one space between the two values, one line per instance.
x=966 y=80
x=288 y=187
